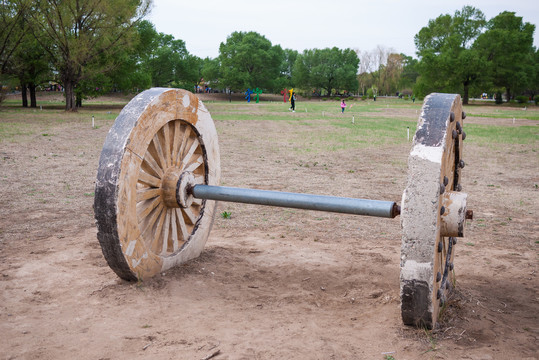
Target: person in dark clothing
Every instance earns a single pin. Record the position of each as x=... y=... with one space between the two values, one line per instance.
x=293 y=102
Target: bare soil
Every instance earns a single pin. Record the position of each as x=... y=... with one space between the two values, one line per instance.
x=272 y=283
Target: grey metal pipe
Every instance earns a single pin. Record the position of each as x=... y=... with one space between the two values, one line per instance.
x=387 y=209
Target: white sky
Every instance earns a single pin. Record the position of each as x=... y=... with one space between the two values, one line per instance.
x=309 y=24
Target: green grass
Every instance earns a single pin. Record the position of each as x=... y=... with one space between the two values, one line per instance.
x=491 y=134
x=319 y=126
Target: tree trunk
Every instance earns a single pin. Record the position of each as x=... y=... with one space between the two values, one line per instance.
x=24 y=91
x=78 y=101
x=69 y=88
x=33 y=101
x=508 y=94
x=466 y=94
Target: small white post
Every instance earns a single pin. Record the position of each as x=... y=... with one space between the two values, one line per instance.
x=41 y=107
x=408 y=133
x=323 y=114
x=306 y=110
x=93 y=122
x=513 y=121
x=353 y=119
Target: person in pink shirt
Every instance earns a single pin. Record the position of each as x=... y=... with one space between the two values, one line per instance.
x=343 y=106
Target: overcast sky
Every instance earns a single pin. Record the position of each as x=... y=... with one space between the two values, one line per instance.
x=309 y=24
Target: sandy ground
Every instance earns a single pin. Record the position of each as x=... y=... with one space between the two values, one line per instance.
x=272 y=283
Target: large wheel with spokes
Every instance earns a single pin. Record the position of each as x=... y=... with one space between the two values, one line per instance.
x=433 y=210
x=144 y=227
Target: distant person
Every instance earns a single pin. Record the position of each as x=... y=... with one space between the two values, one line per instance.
x=343 y=106
x=413 y=98
x=293 y=102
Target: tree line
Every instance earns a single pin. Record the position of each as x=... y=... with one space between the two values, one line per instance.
x=93 y=47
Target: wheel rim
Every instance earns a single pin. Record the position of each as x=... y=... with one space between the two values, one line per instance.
x=427 y=271
x=145 y=226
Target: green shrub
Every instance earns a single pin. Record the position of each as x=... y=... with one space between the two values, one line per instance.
x=522 y=99
x=370 y=93
x=351 y=98
x=363 y=97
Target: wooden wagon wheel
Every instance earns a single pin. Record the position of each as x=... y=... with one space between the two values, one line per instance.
x=145 y=225
x=433 y=210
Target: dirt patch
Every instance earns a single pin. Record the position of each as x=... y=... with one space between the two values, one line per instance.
x=272 y=283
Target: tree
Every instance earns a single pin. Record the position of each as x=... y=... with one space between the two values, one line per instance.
x=447 y=60
x=84 y=34
x=249 y=60
x=11 y=16
x=328 y=69
x=409 y=72
x=27 y=61
x=508 y=48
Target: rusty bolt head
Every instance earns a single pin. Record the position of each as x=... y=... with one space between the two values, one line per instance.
x=442 y=189
x=469 y=214
x=454 y=134
x=458 y=187
x=463 y=115
x=451 y=266
x=440 y=247
x=454 y=241
x=452 y=116
x=438 y=276
x=463 y=135
x=439 y=294
x=462 y=164
x=446 y=181
x=442 y=210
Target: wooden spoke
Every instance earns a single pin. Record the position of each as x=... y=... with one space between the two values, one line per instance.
x=159 y=149
x=195 y=164
x=150 y=180
x=187 y=157
x=166 y=143
x=183 y=228
x=150 y=166
x=190 y=215
x=185 y=140
x=147 y=193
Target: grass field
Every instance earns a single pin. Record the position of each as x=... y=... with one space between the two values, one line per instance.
x=364 y=123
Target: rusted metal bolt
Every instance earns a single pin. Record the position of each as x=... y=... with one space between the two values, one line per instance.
x=469 y=214
x=458 y=187
x=454 y=241
x=442 y=210
x=463 y=135
x=438 y=276
x=462 y=164
x=454 y=134
x=446 y=181
x=451 y=266
x=439 y=294
x=452 y=116
x=463 y=115
x=440 y=247
x=442 y=189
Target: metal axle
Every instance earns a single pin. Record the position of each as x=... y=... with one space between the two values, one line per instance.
x=387 y=209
